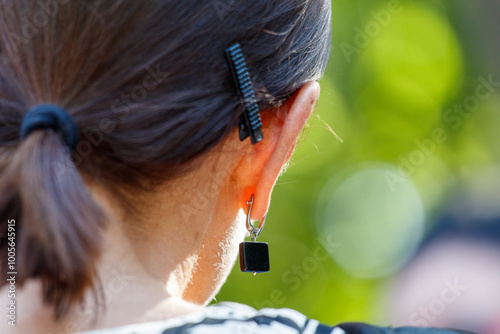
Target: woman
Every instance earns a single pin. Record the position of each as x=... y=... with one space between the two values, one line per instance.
x=124 y=185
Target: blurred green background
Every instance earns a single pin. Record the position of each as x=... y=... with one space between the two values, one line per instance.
x=412 y=93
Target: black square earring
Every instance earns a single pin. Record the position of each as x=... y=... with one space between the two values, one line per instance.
x=254 y=256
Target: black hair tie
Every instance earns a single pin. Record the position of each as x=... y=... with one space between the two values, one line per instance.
x=49 y=116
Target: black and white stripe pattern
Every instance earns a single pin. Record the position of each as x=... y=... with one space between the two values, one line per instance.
x=232 y=318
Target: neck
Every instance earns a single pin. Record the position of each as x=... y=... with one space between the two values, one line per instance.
x=127 y=292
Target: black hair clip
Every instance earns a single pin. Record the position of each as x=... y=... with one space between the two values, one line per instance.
x=251 y=124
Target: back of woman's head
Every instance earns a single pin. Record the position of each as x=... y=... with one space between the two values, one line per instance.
x=149 y=88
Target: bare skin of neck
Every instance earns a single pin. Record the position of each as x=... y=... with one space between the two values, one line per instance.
x=147 y=268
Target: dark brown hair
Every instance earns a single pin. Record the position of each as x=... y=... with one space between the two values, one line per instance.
x=150 y=89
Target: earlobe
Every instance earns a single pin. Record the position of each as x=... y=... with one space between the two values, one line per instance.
x=277 y=148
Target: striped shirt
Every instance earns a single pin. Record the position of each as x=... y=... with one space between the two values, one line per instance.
x=236 y=318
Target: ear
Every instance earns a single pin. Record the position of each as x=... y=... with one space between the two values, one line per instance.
x=266 y=160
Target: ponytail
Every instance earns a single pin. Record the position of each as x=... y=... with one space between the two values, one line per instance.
x=58 y=225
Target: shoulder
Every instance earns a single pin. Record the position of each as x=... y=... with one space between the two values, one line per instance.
x=237 y=318
x=224 y=318
x=360 y=328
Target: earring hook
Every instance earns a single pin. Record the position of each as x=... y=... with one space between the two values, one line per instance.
x=254 y=231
